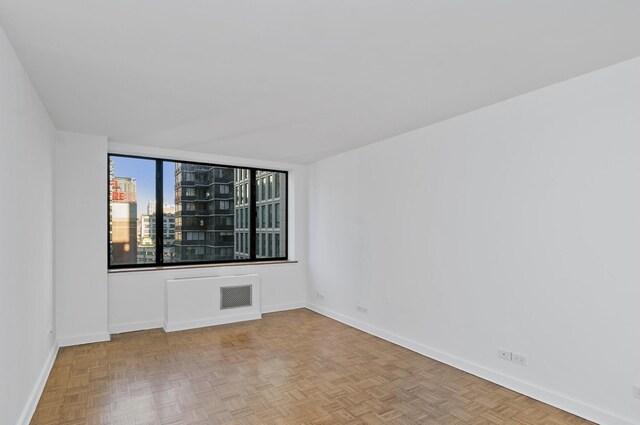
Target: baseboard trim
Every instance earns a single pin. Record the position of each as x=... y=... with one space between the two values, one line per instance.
x=83 y=339
x=135 y=326
x=36 y=392
x=194 y=324
x=283 y=307
x=549 y=397
x=158 y=324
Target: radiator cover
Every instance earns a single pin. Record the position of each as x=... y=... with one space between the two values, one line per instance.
x=206 y=301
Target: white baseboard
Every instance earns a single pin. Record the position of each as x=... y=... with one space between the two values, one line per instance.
x=193 y=324
x=135 y=326
x=83 y=339
x=156 y=324
x=36 y=392
x=283 y=307
x=549 y=397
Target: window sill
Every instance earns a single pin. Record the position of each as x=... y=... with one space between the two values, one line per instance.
x=202 y=266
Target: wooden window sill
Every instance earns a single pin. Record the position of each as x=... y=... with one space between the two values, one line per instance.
x=201 y=266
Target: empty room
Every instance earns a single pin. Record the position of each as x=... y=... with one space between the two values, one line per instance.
x=320 y=212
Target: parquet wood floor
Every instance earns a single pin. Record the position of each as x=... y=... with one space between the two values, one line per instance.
x=294 y=367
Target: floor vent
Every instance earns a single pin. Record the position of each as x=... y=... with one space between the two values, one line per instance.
x=235 y=296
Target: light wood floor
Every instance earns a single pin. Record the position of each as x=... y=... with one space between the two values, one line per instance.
x=294 y=367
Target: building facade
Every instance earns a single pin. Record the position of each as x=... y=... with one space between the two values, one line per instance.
x=271 y=210
x=123 y=216
x=204 y=217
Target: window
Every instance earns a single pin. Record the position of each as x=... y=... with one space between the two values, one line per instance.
x=258 y=246
x=207 y=213
x=132 y=199
x=259 y=189
x=264 y=215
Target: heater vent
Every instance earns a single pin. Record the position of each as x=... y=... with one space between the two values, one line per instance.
x=235 y=296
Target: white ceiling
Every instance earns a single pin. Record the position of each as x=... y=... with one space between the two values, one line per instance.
x=300 y=80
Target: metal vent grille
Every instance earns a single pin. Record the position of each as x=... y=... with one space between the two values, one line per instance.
x=235 y=296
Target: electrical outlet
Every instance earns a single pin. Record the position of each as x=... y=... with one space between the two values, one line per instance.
x=504 y=355
x=636 y=391
x=362 y=309
x=519 y=359
x=319 y=296
x=50 y=331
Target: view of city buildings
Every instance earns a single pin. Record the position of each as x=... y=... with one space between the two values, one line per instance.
x=204 y=200
x=147 y=233
x=270 y=215
x=209 y=220
x=123 y=216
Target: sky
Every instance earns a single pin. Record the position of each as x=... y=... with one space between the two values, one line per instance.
x=144 y=171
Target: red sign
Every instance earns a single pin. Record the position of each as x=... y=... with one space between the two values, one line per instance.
x=117 y=196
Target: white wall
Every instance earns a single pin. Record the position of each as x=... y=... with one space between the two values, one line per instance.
x=26 y=279
x=516 y=226
x=80 y=213
x=136 y=299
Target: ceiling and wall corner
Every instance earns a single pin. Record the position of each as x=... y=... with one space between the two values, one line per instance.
x=295 y=81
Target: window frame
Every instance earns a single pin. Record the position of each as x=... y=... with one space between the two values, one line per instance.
x=252 y=230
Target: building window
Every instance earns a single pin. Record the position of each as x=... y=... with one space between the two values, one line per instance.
x=264 y=216
x=205 y=213
x=258 y=246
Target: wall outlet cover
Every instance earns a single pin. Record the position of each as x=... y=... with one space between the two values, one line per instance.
x=504 y=355
x=519 y=359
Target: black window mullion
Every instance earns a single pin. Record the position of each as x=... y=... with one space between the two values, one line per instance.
x=252 y=215
x=286 y=214
x=159 y=214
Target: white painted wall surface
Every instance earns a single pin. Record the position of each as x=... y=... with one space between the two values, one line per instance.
x=80 y=211
x=26 y=256
x=516 y=226
x=136 y=299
